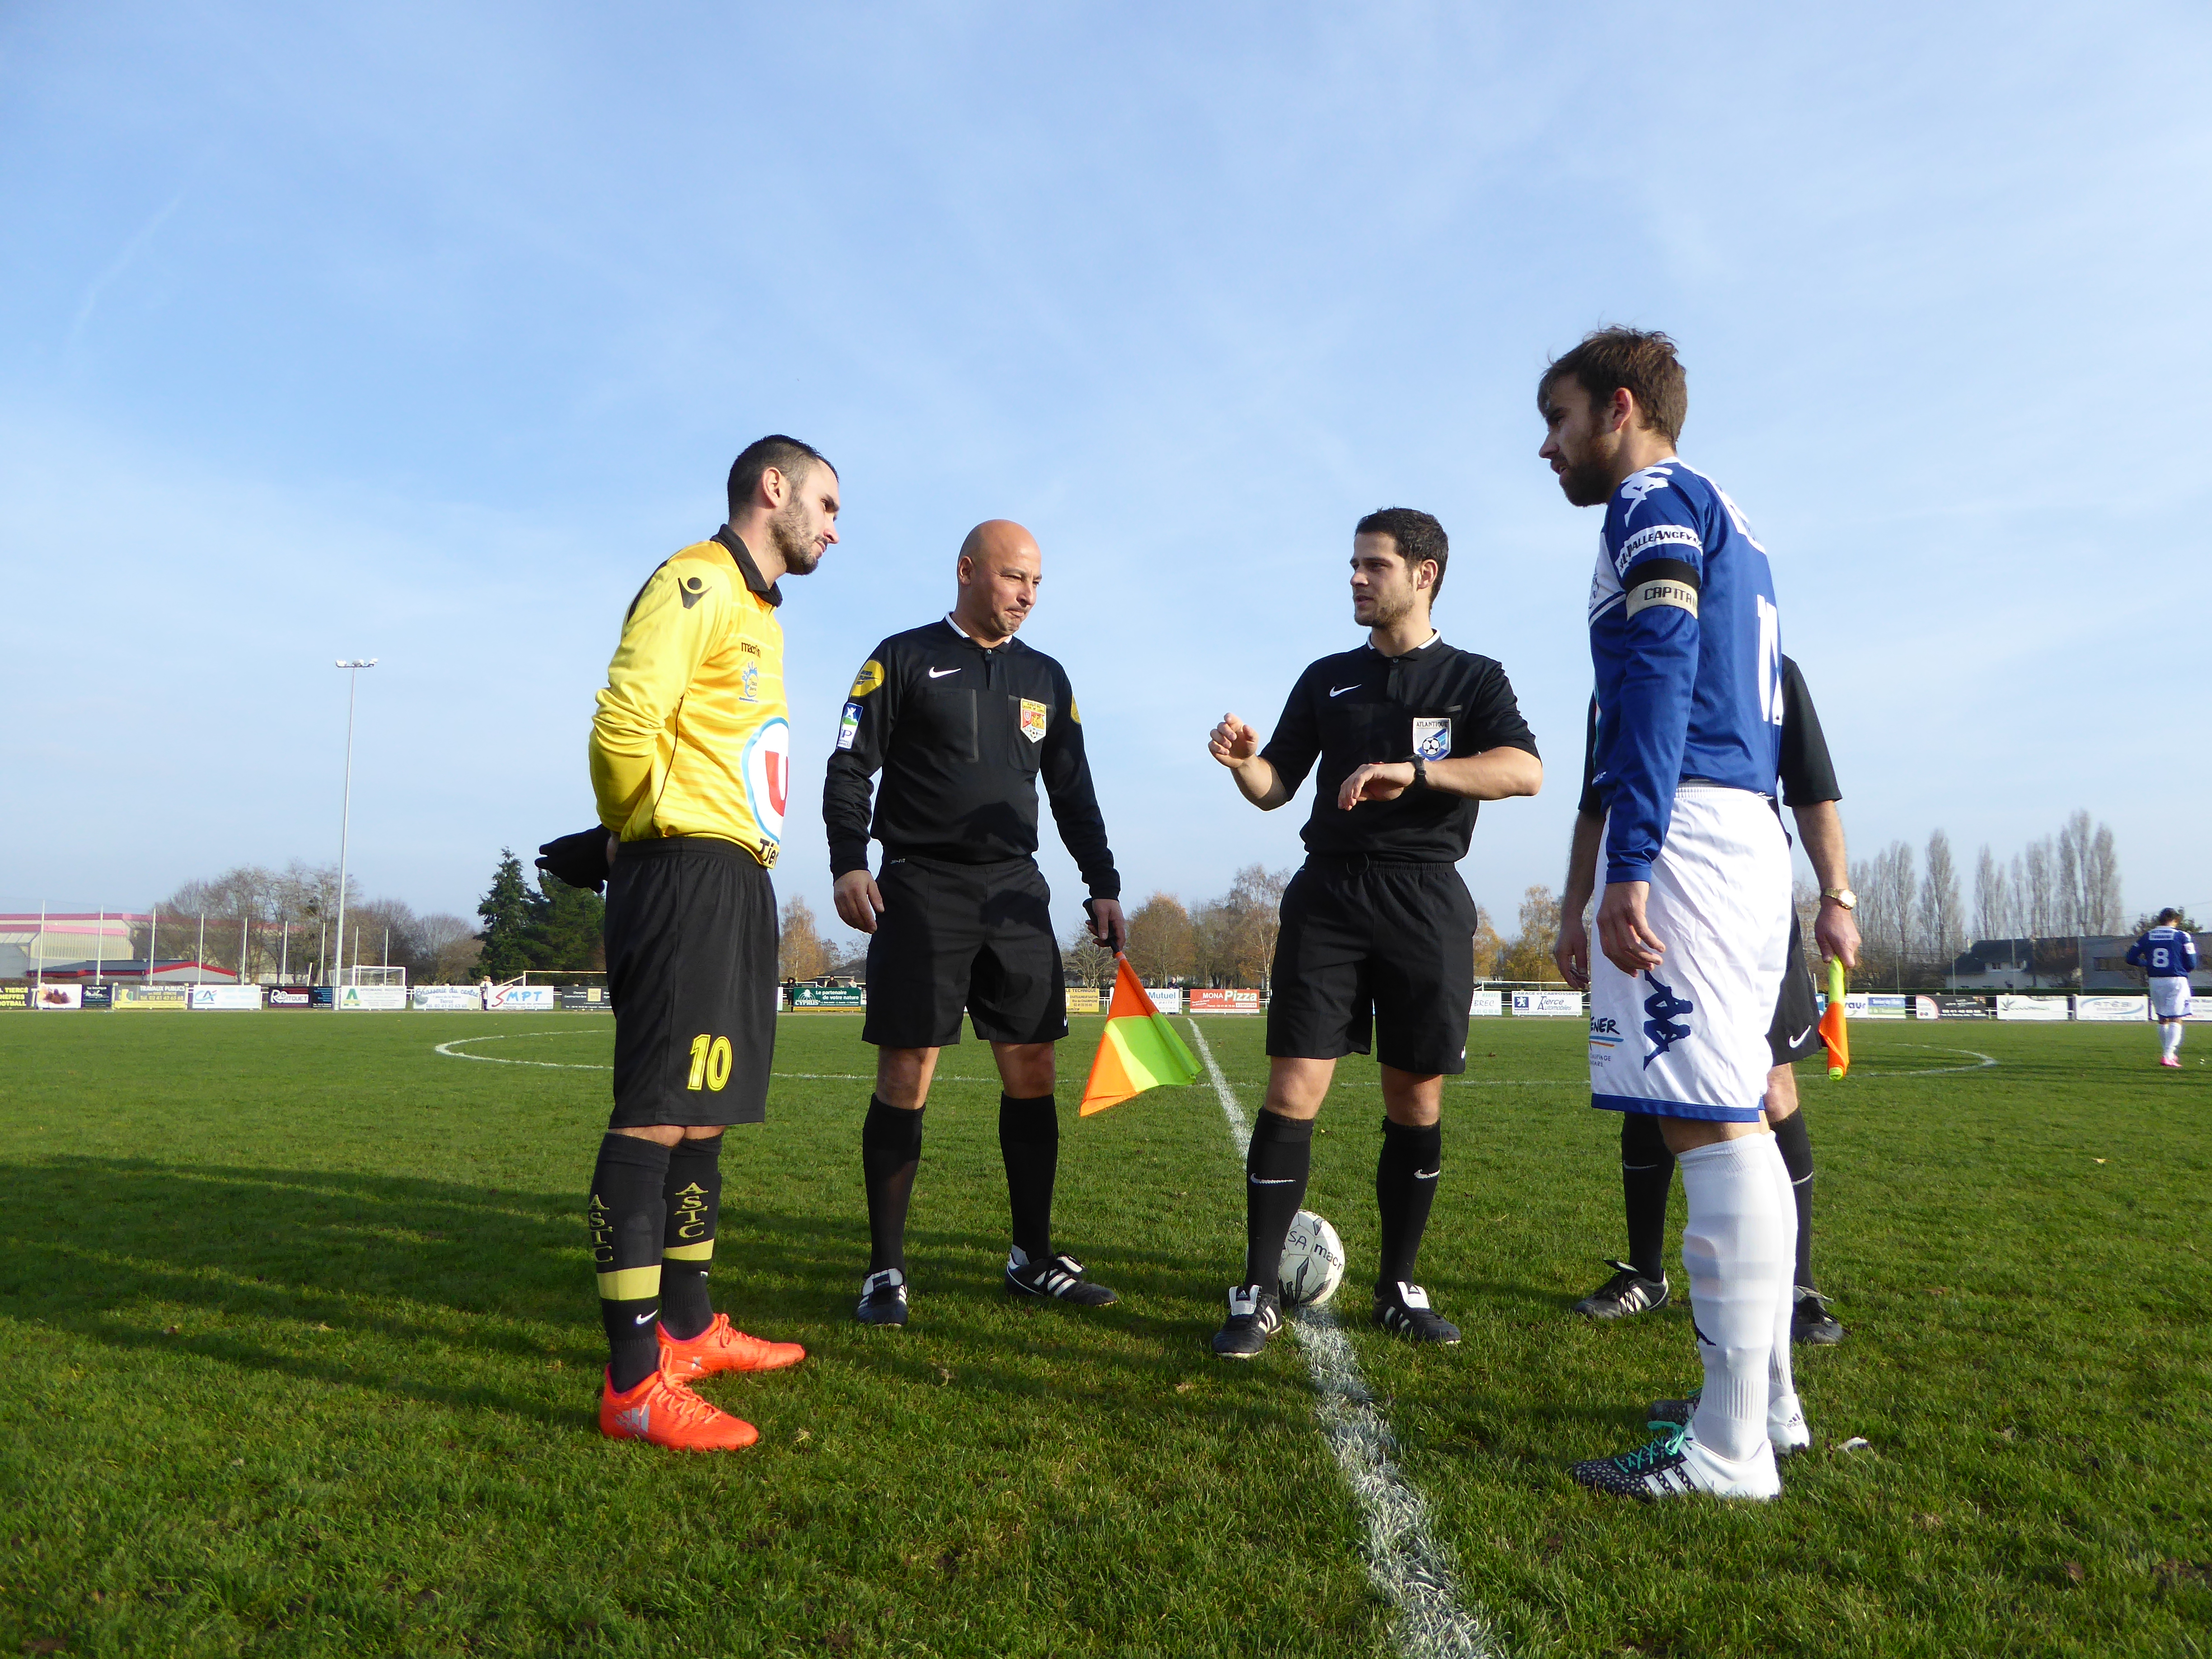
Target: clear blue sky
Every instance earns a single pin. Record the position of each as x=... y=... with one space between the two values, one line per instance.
x=424 y=332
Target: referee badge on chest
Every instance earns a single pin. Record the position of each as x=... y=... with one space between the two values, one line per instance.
x=1032 y=720
x=1432 y=737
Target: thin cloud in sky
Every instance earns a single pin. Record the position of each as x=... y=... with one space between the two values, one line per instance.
x=471 y=307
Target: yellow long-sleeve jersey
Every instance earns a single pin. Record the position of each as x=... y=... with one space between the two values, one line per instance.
x=692 y=736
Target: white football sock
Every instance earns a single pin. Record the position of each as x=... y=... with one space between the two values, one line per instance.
x=1781 y=1388
x=2172 y=1033
x=1736 y=1248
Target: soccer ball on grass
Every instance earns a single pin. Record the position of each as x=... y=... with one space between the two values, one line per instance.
x=1313 y=1261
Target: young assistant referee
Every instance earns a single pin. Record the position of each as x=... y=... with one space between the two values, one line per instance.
x=689 y=762
x=964 y=721
x=1377 y=935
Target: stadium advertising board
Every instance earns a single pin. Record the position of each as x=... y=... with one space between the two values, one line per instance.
x=1234 y=999
x=291 y=996
x=1882 y=1004
x=2012 y=1007
x=1083 y=999
x=582 y=1000
x=99 y=996
x=371 y=999
x=225 y=998
x=2111 y=1007
x=15 y=996
x=150 y=997
x=518 y=999
x=1488 y=1005
x=1548 y=1005
x=57 y=997
x=1166 y=999
x=1925 y=1008
x=1951 y=1007
x=828 y=996
x=447 y=998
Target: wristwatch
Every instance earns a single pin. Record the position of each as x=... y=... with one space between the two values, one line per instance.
x=1421 y=773
x=1842 y=896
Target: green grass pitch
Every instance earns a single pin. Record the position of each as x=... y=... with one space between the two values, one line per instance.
x=304 y=1360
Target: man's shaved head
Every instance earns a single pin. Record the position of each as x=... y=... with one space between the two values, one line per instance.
x=996 y=536
x=998 y=570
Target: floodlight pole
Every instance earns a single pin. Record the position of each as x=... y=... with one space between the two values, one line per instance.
x=352 y=667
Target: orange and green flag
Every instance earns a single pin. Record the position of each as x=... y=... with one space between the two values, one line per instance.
x=1139 y=1049
x=1834 y=1031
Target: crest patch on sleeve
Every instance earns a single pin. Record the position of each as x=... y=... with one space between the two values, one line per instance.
x=870 y=676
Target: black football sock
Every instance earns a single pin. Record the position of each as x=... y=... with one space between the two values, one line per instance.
x=694 y=1196
x=1028 y=1141
x=627 y=1213
x=1275 y=1169
x=1404 y=1186
x=891 y=1153
x=1647 y=1171
x=1795 y=1142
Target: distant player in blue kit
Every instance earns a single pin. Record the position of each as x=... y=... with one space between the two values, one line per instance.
x=1693 y=927
x=2168 y=956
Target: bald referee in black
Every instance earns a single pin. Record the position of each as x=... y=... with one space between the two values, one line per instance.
x=1377 y=934
x=964 y=721
x=1809 y=789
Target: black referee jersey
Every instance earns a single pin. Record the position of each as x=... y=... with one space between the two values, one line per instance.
x=963 y=735
x=1808 y=775
x=1359 y=706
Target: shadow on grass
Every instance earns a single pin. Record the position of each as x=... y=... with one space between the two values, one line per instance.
x=398 y=1272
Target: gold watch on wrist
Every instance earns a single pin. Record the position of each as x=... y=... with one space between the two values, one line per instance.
x=1842 y=895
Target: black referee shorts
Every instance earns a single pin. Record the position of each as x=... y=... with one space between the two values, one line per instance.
x=1796 y=1033
x=691 y=938
x=977 y=936
x=1370 y=946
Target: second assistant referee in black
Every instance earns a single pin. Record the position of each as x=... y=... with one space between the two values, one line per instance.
x=1377 y=928
x=963 y=720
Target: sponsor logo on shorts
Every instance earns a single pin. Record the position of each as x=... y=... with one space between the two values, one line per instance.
x=1605 y=1031
x=1664 y=1008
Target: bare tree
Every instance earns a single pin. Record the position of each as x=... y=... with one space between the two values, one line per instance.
x=1084 y=961
x=1529 y=956
x=2035 y=876
x=800 y=952
x=1940 y=921
x=1161 y=947
x=2107 y=914
x=1992 y=898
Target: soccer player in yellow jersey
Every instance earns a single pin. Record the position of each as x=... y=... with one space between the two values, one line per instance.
x=689 y=762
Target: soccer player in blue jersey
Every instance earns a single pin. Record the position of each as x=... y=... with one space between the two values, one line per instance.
x=2168 y=956
x=1693 y=927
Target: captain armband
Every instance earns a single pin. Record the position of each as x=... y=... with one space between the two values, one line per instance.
x=1662 y=582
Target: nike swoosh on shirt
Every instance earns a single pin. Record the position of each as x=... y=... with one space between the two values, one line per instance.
x=1801 y=1036
x=939 y=673
x=1339 y=691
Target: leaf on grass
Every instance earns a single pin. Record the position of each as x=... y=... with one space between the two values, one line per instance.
x=2096 y=1160
x=2074 y=1570
x=802 y=1437
x=944 y=1375
x=1857 y=1442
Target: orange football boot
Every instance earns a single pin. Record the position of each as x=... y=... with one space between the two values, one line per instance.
x=723 y=1347
x=661 y=1411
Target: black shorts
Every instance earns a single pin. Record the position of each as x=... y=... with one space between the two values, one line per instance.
x=1796 y=1033
x=1369 y=944
x=691 y=938
x=977 y=936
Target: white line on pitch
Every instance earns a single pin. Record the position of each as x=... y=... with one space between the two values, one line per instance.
x=1404 y=1559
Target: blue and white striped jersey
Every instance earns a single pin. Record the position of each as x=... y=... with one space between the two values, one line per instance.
x=2164 y=953
x=1687 y=644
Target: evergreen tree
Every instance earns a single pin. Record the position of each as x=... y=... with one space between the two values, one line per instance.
x=508 y=933
x=569 y=927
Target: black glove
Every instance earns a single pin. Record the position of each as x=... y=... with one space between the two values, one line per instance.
x=580 y=859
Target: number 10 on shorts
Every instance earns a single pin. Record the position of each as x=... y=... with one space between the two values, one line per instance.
x=710 y=1062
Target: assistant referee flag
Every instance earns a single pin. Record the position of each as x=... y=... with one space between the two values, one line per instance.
x=1833 y=1030
x=1139 y=1050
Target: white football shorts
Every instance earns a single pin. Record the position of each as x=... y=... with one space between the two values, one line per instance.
x=2169 y=996
x=1688 y=1038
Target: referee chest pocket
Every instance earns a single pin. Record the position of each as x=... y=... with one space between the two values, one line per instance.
x=949 y=717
